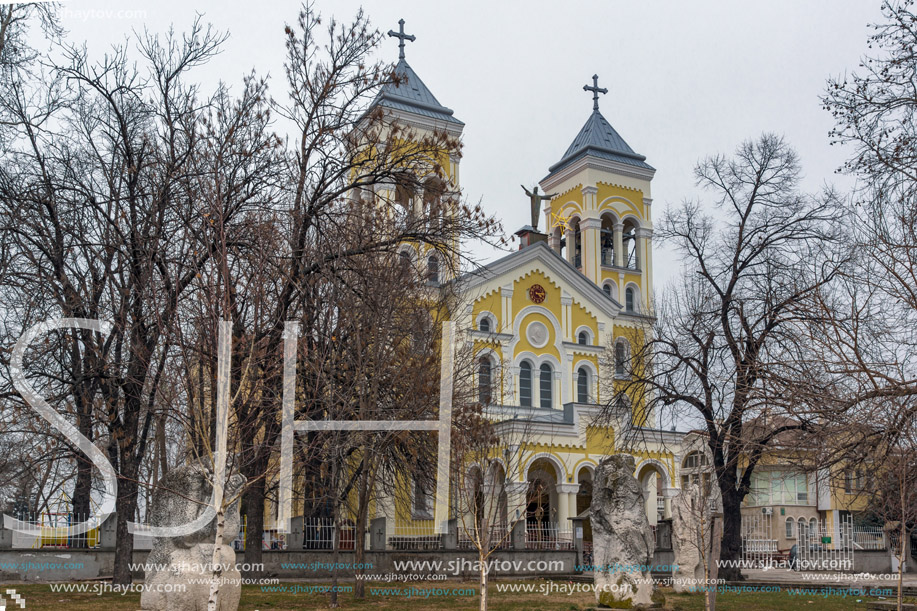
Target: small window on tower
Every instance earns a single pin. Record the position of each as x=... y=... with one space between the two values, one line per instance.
x=630 y=299
x=484 y=325
x=433 y=269
x=583 y=338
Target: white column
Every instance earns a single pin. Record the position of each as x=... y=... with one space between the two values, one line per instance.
x=669 y=494
x=564 y=494
x=569 y=248
x=515 y=500
x=566 y=304
x=645 y=251
x=619 y=248
x=547 y=223
x=591 y=228
x=650 y=489
x=506 y=318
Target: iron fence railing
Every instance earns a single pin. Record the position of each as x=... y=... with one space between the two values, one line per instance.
x=547 y=536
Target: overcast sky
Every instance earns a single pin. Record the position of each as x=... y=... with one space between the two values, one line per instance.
x=685 y=79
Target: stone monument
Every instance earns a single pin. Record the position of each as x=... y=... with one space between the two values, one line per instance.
x=621 y=535
x=187 y=561
x=696 y=532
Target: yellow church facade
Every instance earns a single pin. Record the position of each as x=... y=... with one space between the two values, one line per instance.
x=552 y=326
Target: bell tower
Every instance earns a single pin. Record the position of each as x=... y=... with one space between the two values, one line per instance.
x=600 y=219
x=407 y=102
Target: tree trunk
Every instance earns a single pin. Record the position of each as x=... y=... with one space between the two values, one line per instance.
x=902 y=556
x=216 y=562
x=731 y=548
x=126 y=507
x=254 y=523
x=335 y=555
x=482 y=560
x=359 y=547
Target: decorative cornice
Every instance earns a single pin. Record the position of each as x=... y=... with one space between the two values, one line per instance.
x=594 y=163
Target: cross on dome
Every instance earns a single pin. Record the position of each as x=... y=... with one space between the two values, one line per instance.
x=595 y=89
x=401 y=36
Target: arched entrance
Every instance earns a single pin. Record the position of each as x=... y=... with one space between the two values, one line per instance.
x=653 y=479
x=541 y=512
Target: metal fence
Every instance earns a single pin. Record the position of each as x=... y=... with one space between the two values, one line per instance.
x=758 y=544
x=318 y=533
x=415 y=535
x=547 y=536
x=49 y=531
x=827 y=549
x=499 y=537
x=869 y=538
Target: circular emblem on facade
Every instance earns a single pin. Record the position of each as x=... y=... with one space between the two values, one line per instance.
x=537 y=293
x=537 y=334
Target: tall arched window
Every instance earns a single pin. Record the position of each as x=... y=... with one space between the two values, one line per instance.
x=525 y=384
x=433 y=268
x=433 y=190
x=485 y=380
x=607 y=290
x=582 y=385
x=790 y=528
x=620 y=358
x=630 y=299
x=546 y=384
x=629 y=242
x=583 y=338
x=404 y=260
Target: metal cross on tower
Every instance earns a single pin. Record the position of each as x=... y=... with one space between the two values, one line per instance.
x=401 y=36
x=595 y=89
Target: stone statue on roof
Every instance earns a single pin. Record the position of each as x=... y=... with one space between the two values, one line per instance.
x=536 y=199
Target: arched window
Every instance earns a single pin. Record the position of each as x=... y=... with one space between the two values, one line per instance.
x=583 y=338
x=629 y=242
x=620 y=358
x=433 y=268
x=484 y=325
x=525 y=384
x=813 y=526
x=790 y=528
x=433 y=190
x=404 y=260
x=582 y=385
x=607 y=290
x=577 y=244
x=630 y=299
x=694 y=460
x=546 y=384
x=485 y=380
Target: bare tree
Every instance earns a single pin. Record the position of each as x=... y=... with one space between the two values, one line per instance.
x=489 y=457
x=728 y=332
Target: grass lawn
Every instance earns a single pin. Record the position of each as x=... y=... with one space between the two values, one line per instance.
x=381 y=596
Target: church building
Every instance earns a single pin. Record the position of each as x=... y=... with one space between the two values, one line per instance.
x=554 y=324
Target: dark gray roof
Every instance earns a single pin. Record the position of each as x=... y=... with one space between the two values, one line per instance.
x=599 y=139
x=411 y=95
